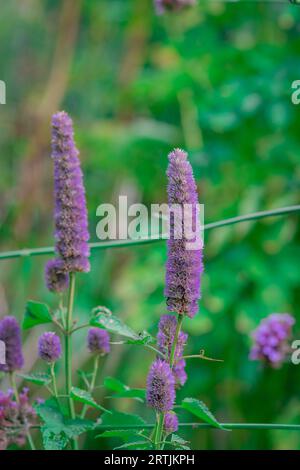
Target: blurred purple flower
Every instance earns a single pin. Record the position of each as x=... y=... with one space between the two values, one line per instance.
x=49 y=347
x=10 y=334
x=162 y=6
x=71 y=224
x=160 y=387
x=57 y=279
x=170 y=422
x=184 y=266
x=271 y=339
x=165 y=339
x=15 y=418
x=98 y=341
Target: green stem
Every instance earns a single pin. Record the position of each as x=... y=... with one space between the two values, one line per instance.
x=92 y=384
x=141 y=241
x=52 y=372
x=159 y=430
x=68 y=350
x=30 y=440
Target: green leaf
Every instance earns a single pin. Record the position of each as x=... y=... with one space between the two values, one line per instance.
x=179 y=443
x=114 y=325
x=53 y=441
x=39 y=378
x=36 y=313
x=116 y=418
x=115 y=384
x=85 y=397
x=137 y=445
x=143 y=338
x=199 y=409
x=57 y=429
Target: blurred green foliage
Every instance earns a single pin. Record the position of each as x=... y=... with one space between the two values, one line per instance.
x=215 y=80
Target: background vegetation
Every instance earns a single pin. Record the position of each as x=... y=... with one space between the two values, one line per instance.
x=215 y=80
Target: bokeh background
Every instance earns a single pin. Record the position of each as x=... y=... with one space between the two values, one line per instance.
x=215 y=80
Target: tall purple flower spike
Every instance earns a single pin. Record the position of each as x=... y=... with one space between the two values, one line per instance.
x=162 y=6
x=71 y=224
x=10 y=334
x=271 y=339
x=184 y=265
x=160 y=387
x=165 y=340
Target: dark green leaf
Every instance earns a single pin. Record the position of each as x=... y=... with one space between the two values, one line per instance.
x=85 y=397
x=39 y=378
x=36 y=313
x=199 y=409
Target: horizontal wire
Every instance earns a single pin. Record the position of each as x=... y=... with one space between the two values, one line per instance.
x=229 y=426
x=158 y=238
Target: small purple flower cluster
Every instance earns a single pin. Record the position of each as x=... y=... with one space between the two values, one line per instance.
x=170 y=422
x=98 y=341
x=271 y=339
x=162 y=6
x=71 y=224
x=15 y=418
x=49 y=347
x=165 y=340
x=10 y=334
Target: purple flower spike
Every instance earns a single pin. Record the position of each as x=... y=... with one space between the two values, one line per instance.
x=10 y=334
x=165 y=340
x=170 y=423
x=71 y=224
x=160 y=387
x=56 y=277
x=98 y=341
x=184 y=265
x=162 y=6
x=49 y=347
x=271 y=339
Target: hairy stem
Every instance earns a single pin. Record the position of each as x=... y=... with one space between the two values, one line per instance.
x=12 y=380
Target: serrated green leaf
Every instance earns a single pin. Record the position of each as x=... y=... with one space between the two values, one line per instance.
x=52 y=441
x=113 y=324
x=36 y=313
x=39 y=378
x=85 y=397
x=115 y=384
x=199 y=409
x=58 y=429
x=137 y=445
x=179 y=443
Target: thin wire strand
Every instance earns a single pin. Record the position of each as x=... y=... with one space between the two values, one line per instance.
x=158 y=238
